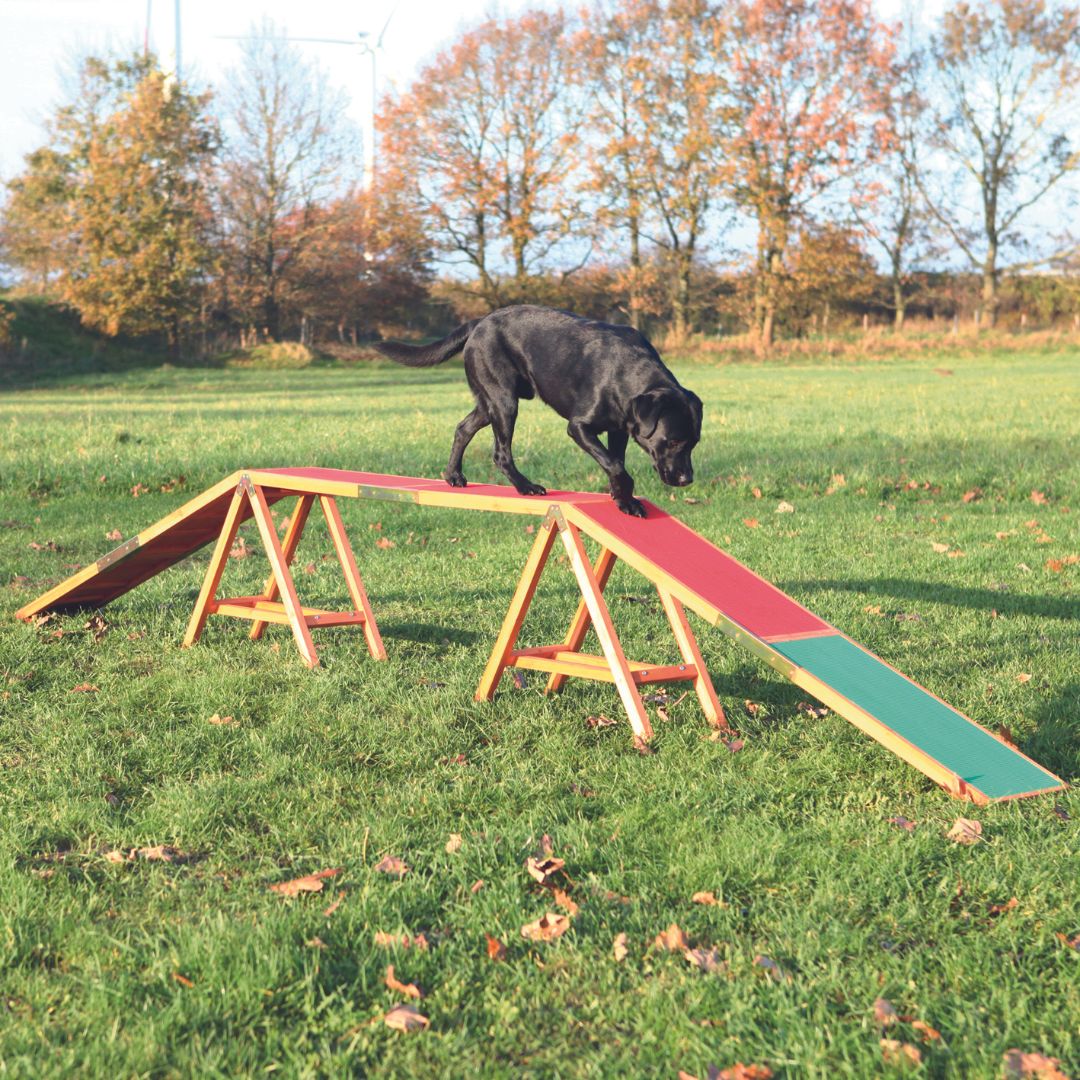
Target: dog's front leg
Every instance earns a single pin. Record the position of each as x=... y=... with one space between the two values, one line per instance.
x=611 y=460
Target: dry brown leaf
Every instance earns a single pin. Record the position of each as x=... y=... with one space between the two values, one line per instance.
x=97 y=626
x=784 y=507
x=902 y=823
x=315 y=942
x=239 y=550
x=217 y=718
x=406 y=1018
x=308 y=883
x=756 y=492
x=1039 y=498
x=642 y=746
x=739 y=1071
x=454 y=843
x=477 y=886
x=114 y=534
x=619 y=949
x=884 y=1013
x=771 y=968
x=1019 y=1065
x=394 y=983
x=672 y=939
x=183 y=980
x=750 y=523
x=703 y=898
x=84 y=688
x=1072 y=942
x=496 y=950
x=392 y=865
x=896 y=1052
x=563 y=900
x=1000 y=909
x=707 y=960
x=939 y=548
x=385 y=542
x=972 y=496
x=928 y=1033
x=1023 y=677
x=547 y=928
x=327 y=912
x=599 y=721
x=965 y=831
x=543 y=870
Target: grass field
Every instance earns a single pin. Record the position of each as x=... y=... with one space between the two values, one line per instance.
x=153 y=968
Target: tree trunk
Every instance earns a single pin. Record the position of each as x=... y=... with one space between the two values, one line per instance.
x=989 y=285
x=635 y=272
x=681 y=305
x=899 y=304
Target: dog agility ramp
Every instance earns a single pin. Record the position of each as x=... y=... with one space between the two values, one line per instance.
x=953 y=750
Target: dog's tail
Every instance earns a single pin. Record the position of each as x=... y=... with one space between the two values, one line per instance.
x=428 y=355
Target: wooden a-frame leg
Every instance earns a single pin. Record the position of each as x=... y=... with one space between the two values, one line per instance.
x=288 y=549
x=684 y=636
x=214 y=571
x=605 y=631
x=352 y=575
x=289 y=599
x=579 y=625
x=515 y=615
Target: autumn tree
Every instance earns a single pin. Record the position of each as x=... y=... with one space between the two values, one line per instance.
x=829 y=271
x=288 y=149
x=122 y=197
x=33 y=228
x=484 y=140
x=1003 y=124
x=809 y=91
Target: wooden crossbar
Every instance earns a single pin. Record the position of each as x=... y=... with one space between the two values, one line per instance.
x=267 y=607
x=566 y=660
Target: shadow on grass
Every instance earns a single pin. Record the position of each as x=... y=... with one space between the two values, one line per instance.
x=1056 y=742
x=1002 y=601
x=429 y=633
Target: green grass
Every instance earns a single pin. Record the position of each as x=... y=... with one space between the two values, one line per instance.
x=341 y=766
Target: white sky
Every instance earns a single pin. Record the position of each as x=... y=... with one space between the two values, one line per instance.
x=38 y=36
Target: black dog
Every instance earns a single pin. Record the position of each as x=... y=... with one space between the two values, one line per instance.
x=600 y=377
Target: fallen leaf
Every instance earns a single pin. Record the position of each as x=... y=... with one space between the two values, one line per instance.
x=750 y=523
x=928 y=1033
x=393 y=983
x=139 y=489
x=183 y=980
x=1061 y=812
x=542 y=870
x=385 y=542
x=239 y=550
x=672 y=940
x=943 y=371
x=84 y=688
x=902 y=823
x=563 y=900
x=392 y=941
x=771 y=968
x=756 y=492
x=496 y=950
x=896 y=1052
x=619 y=949
x=114 y=534
x=218 y=719
x=310 y=568
x=1024 y=677
x=406 y=1018
x=1000 y=909
x=707 y=960
x=972 y=496
x=308 y=883
x=939 y=548
x=965 y=831
x=819 y=712
x=315 y=942
x=334 y=906
x=1072 y=942
x=599 y=721
x=739 y=1071
x=1039 y=498
x=703 y=898
x=392 y=865
x=454 y=843
x=872 y=609
x=642 y=746
x=477 y=886
x=1019 y=1065
x=547 y=928
x=884 y=1012
x=785 y=508
x=97 y=626
x=752 y=707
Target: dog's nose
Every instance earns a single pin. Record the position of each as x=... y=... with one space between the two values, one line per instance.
x=684 y=478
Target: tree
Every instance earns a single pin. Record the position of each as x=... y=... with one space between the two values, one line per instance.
x=484 y=141
x=829 y=270
x=122 y=196
x=1005 y=107
x=288 y=148
x=33 y=229
x=809 y=90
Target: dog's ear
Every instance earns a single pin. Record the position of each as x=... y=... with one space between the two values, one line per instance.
x=697 y=410
x=645 y=411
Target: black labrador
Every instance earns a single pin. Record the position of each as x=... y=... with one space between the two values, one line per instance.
x=600 y=377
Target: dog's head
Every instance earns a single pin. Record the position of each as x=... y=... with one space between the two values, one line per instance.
x=666 y=424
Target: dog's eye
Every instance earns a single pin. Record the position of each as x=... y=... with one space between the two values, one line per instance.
x=676 y=444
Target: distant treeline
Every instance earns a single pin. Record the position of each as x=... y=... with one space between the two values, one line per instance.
x=602 y=161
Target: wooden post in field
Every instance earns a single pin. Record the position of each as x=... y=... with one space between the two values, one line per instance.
x=1023 y=321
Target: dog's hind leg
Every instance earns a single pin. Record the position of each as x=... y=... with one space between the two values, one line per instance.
x=502 y=427
x=612 y=460
x=463 y=434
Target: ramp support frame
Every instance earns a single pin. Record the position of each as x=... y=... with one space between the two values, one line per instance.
x=267 y=607
x=566 y=660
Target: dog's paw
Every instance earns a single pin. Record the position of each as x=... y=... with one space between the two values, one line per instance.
x=531 y=489
x=631 y=506
x=455 y=479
